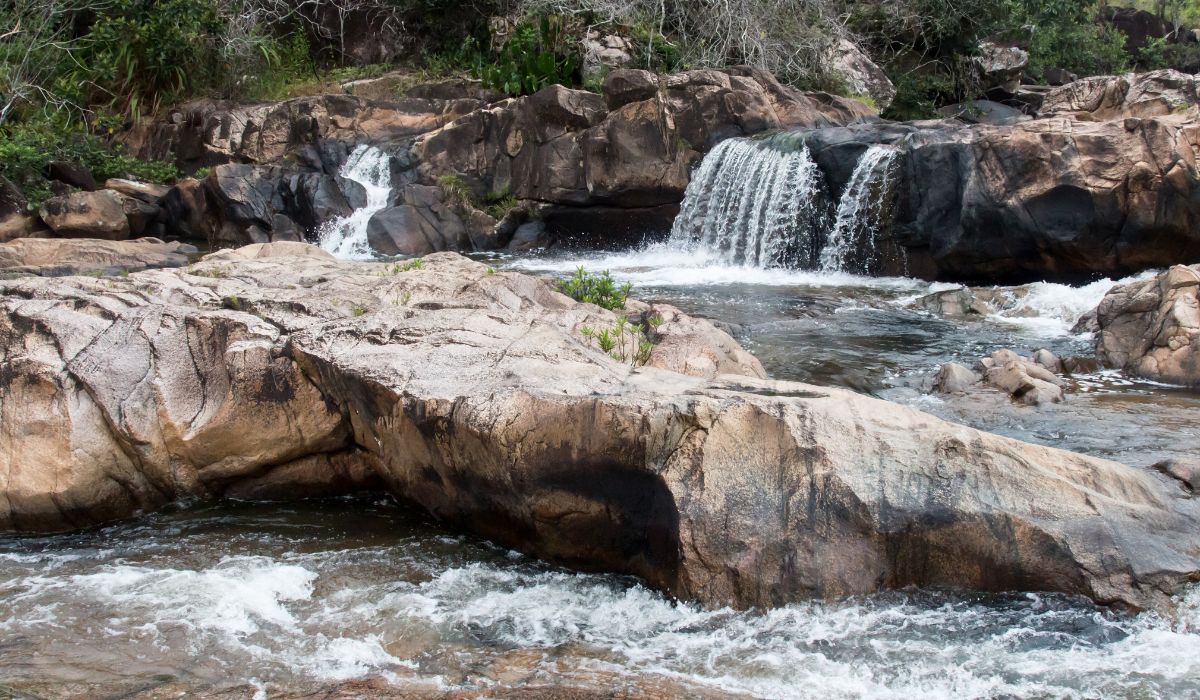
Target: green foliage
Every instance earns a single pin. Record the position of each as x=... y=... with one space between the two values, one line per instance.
x=624 y=342
x=600 y=289
x=496 y=205
x=409 y=266
x=456 y=190
x=140 y=54
x=538 y=53
x=1064 y=34
x=26 y=148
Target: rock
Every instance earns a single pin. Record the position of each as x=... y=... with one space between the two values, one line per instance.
x=423 y=222
x=528 y=236
x=1093 y=197
x=1160 y=93
x=1024 y=379
x=984 y=112
x=605 y=52
x=1151 y=328
x=1138 y=26
x=144 y=191
x=15 y=220
x=98 y=214
x=71 y=174
x=54 y=257
x=562 y=147
x=1049 y=360
x=1058 y=76
x=621 y=87
x=140 y=214
x=476 y=397
x=953 y=378
x=1081 y=365
x=952 y=303
x=1000 y=68
x=861 y=74
x=1185 y=471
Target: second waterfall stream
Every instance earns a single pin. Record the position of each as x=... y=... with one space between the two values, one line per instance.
x=761 y=203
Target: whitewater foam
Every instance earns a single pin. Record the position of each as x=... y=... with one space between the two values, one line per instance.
x=346 y=237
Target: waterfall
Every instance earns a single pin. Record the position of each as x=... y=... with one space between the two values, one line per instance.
x=852 y=245
x=346 y=237
x=753 y=203
x=762 y=203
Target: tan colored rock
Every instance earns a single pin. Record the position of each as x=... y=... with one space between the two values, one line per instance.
x=99 y=214
x=953 y=378
x=56 y=257
x=473 y=395
x=1117 y=97
x=1151 y=328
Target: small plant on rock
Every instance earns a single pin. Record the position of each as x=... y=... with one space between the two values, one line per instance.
x=600 y=289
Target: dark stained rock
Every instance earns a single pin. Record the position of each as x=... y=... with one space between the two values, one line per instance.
x=423 y=222
x=71 y=174
x=627 y=85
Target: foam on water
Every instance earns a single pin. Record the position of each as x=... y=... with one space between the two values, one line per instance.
x=1053 y=309
x=346 y=237
x=439 y=611
x=664 y=265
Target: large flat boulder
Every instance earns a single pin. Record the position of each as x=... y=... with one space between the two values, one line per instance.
x=57 y=257
x=484 y=398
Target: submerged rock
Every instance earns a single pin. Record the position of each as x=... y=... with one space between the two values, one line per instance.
x=1151 y=328
x=477 y=396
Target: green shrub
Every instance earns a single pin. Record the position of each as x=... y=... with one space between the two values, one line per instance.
x=538 y=53
x=600 y=289
x=26 y=148
x=141 y=54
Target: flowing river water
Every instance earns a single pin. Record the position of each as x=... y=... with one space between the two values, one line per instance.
x=362 y=598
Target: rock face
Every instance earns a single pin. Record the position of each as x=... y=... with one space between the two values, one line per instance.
x=55 y=257
x=1151 y=328
x=1109 y=97
x=566 y=147
x=476 y=396
x=861 y=74
x=1049 y=198
x=87 y=215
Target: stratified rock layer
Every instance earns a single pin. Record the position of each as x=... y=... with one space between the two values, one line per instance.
x=477 y=396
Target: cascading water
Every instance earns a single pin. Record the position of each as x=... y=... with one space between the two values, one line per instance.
x=756 y=204
x=762 y=203
x=852 y=244
x=346 y=237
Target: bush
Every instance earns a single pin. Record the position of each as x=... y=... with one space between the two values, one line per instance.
x=25 y=149
x=600 y=289
x=538 y=53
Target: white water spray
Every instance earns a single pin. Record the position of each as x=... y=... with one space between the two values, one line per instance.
x=753 y=204
x=346 y=237
x=860 y=214
x=762 y=204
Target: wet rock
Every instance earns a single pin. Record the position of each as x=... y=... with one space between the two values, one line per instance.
x=424 y=221
x=87 y=215
x=55 y=257
x=952 y=303
x=1081 y=365
x=1151 y=328
x=476 y=396
x=953 y=378
x=1023 y=378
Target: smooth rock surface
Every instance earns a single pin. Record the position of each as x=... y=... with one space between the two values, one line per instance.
x=476 y=396
x=58 y=257
x=99 y=214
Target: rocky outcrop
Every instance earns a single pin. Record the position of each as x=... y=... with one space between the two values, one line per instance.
x=1136 y=96
x=477 y=396
x=425 y=220
x=56 y=257
x=1000 y=68
x=1151 y=328
x=862 y=75
x=1032 y=380
x=631 y=149
x=1055 y=198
